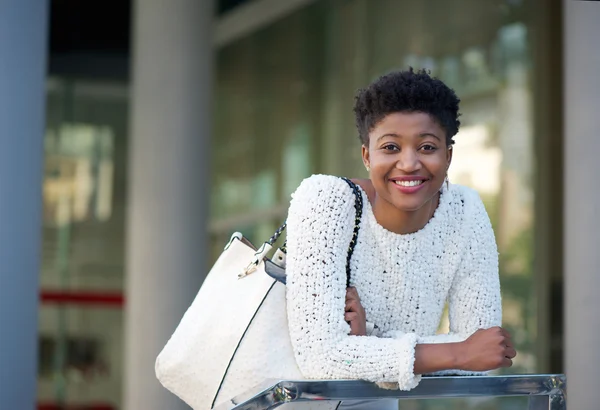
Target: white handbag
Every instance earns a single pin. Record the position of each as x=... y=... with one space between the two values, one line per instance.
x=235 y=334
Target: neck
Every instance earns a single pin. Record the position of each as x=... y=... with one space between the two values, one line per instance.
x=403 y=222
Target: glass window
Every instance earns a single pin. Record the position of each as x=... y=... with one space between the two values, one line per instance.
x=284 y=111
x=81 y=321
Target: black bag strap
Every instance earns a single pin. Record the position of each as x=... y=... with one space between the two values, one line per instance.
x=278 y=273
x=358 y=207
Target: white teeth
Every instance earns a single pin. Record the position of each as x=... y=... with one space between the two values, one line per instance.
x=409 y=183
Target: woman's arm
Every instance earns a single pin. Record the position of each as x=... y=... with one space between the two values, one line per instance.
x=484 y=350
x=320 y=224
x=474 y=304
x=474 y=300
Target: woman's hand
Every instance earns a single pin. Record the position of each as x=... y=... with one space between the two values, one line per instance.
x=486 y=350
x=355 y=313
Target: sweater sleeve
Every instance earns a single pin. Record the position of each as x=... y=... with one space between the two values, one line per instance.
x=474 y=298
x=320 y=224
x=474 y=301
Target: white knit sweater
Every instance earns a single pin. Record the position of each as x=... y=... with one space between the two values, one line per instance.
x=403 y=281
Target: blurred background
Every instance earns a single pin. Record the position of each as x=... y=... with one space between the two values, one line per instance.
x=168 y=125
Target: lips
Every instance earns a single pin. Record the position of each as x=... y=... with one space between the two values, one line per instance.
x=409 y=184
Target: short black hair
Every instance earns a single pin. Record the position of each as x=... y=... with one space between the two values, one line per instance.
x=406 y=91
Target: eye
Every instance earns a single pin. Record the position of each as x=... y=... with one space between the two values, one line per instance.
x=428 y=148
x=390 y=147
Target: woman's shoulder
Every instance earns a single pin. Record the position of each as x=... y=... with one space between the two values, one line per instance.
x=467 y=197
x=319 y=187
x=468 y=203
x=322 y=197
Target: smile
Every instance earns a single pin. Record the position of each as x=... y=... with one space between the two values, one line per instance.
x=409 y=183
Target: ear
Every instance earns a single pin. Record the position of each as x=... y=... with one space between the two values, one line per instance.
x=366 y=157
x=449 y=151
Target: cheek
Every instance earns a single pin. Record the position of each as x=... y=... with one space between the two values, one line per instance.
x=436 y=165
x=382 y=162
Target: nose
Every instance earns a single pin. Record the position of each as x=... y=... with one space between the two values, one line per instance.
x=408 y=161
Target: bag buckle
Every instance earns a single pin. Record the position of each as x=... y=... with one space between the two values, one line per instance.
x=248 y=270
x=258 y=257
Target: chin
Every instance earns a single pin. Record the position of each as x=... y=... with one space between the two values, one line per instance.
x=408 y=207
x=410 y=203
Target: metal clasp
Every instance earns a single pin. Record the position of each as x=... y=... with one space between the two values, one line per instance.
x=258 y=257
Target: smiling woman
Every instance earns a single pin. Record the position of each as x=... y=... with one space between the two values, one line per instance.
x=406 y=122
x=422 y=242
x=408 y=160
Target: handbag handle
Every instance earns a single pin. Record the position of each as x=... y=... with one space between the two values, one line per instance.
x=278 y=272
x=277 y=234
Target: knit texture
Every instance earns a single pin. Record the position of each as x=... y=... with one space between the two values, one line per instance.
x=403 y=282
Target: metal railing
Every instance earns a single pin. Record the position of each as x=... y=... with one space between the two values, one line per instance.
x=545 y=392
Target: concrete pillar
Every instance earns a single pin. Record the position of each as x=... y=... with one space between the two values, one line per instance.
x=167 y=241
x=23 y=52
x=582 y=201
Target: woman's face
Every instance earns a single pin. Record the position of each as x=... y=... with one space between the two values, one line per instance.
x=408 y=159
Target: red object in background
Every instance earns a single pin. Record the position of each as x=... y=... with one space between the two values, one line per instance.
x=106 y=299
x=80 y=298
x=52 y=406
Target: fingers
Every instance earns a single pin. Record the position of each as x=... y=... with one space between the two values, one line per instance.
x=352 y=305
x=506 y=335
x=352 y=300
x=352 y=293
x=510 y=353
x=507 y=341
x=350 y=316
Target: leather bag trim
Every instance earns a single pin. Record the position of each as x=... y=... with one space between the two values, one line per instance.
x=239 y=343
x=275 y=271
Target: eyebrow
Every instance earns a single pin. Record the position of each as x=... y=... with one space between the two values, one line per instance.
x=422 y=135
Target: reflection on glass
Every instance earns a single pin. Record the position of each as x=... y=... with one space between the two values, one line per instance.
x=82 y=254
x=305 y=69
x=482 y=403
x=79 y=173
